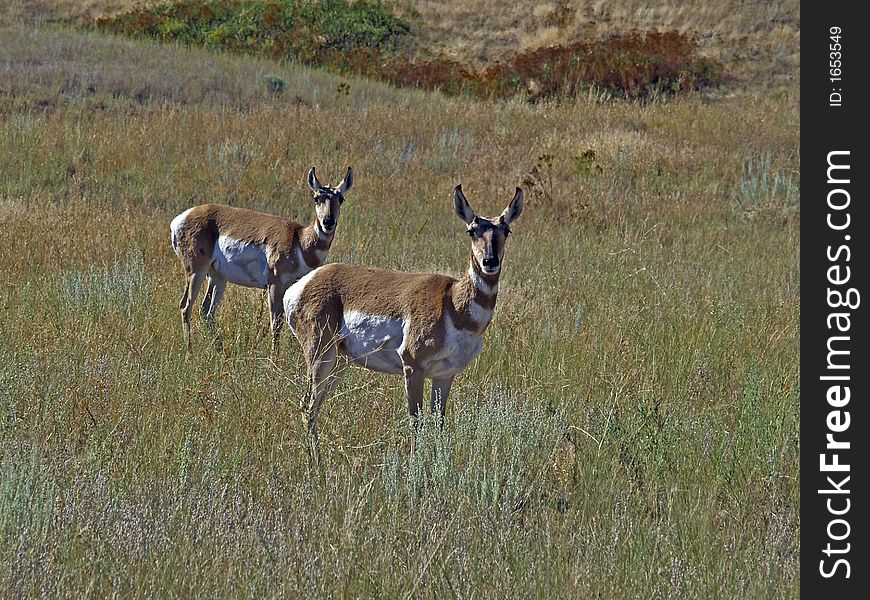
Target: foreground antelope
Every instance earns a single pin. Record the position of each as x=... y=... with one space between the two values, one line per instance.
x=253 y=249
x=418 y=325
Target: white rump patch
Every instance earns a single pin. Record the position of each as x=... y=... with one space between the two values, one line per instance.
x=241 y=263
x=373 y=341
x=176 y=226
x=292 y=296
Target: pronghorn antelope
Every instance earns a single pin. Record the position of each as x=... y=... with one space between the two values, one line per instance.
x=253 y=249
x=418 y=325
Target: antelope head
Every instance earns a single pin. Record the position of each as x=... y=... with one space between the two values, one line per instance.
x=487 y=235
x=327 y=200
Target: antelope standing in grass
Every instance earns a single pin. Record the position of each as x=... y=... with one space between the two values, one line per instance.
x=418 y=325
x=223 y=244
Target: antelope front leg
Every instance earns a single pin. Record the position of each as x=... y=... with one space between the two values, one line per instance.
x=414 y=393
x=440 y=391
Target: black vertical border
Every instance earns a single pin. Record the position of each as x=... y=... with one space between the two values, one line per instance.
x=825 y=128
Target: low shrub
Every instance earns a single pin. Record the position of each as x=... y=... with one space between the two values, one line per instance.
x=763 y=192
x=366 y=38
x=633 y=65
x=104 y=289
x=279 y=28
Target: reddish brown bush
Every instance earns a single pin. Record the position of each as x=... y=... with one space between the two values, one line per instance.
x=333 y=34
x=633 y=66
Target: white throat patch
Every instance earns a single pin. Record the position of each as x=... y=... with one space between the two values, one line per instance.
x=321 y=234
x=480 y=315
x=480 y=284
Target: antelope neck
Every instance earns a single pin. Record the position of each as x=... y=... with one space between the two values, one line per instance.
x=314 y=240
x=476 y=287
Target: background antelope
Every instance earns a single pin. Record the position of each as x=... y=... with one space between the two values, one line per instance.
x=412 y=324
x=253 y=249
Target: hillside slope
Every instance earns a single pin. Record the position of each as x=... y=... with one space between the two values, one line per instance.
x=758 y=42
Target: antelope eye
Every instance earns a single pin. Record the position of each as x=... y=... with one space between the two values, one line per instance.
x=471 y=231
x=341 y=199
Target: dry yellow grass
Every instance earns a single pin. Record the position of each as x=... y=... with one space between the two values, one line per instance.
x=29 y=11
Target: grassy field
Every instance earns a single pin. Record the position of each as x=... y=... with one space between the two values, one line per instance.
x=629 y=431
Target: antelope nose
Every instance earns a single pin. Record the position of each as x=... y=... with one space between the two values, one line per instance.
x=490 y=262
x=328 y=223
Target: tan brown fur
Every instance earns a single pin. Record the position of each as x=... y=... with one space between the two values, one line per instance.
x=208 y=221
x=430 y=307
x=286 y=251
x=425 y=300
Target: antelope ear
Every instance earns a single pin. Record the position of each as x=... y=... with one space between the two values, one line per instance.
x=347 y=182
x=513 y=209
x=461 y=205
x=313 y=183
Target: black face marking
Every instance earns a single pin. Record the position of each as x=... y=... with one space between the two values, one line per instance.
x=480 y=226
x=325 y=195
x=489 y=236
x=327 y=201
x=495 y=248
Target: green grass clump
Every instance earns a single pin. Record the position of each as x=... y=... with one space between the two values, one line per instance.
x=302 y=30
